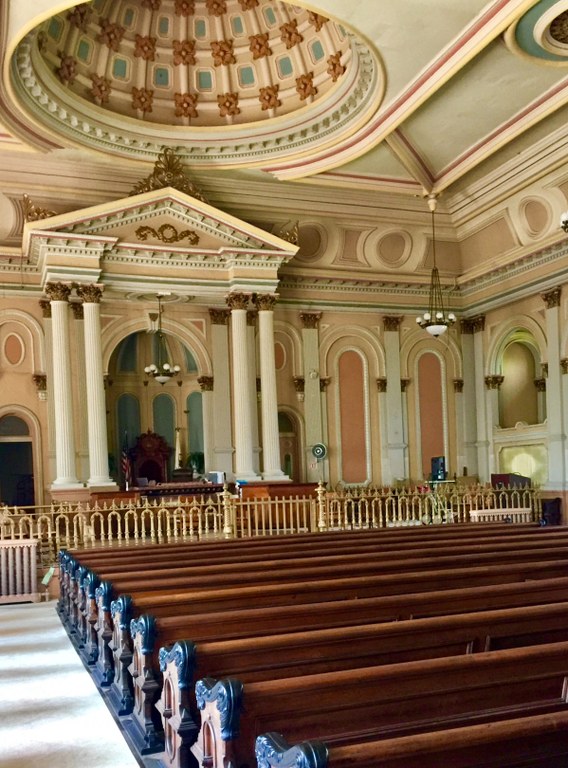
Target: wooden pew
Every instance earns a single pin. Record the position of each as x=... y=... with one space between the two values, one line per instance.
x=130 y=638
x=373 y=703
x=106 y=567
x=328 y=650
x=237 y=596
x=540 y=741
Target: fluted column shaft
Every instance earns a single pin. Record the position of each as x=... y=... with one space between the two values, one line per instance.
x=270 y=436
x=66 y=472
x=241 y=396
x=554 y=393
x=396 y=447
x=94 y=377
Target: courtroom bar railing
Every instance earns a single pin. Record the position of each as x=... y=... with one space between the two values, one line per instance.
x=74 y=525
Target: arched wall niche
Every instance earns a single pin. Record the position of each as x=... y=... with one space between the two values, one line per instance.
x=430 y=422
x=31 y=332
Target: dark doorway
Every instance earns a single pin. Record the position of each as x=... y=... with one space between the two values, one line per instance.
x=16 y=474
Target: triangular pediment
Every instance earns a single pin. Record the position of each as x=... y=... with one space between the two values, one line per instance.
x=158 y=235
x=165 y=218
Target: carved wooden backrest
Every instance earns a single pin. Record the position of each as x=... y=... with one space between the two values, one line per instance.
x=150 y=457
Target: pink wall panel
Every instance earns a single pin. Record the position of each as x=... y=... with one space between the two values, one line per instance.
x=352 y=416
x=431 y=415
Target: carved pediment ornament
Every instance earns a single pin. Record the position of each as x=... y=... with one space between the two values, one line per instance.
x=168 y=172
x=167 y=233
x=33 y=212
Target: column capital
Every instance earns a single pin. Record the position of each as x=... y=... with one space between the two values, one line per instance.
x=40 y=380
x=219 y=316
x=564 y=364
x=392 y=322
x=324 y=382
x=466 y=326
x=90 y=294
x=238 y=300
x=205 y=383
x=494 y=382
x=540 y=385
x=299 y=383
x=404 y=384
x=478 y=323
x=458 y=385
x=552 y=298
x=310 y=320
x=45 y=305
x=77 y=309
x=265 y=302
x=382 y=384
x=58 y=291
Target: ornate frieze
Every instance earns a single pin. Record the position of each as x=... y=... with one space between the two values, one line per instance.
x=265 y=302
x=167 y=233
x=238 y=300
x=494 y=382
x=552 y=298
x=382 y=384
x=458 y=385
x=90 y=294
x=310 y=319
x=58 y=291
x=219 y=316
x=205 y=383
x=392 y=323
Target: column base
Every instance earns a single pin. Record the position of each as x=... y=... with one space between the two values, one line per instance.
x=275 y=476
x=247 y=477
x=102 y=485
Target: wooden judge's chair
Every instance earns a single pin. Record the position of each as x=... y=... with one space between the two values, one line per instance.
x=150 y=457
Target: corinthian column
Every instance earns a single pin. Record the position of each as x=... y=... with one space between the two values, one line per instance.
x=244 y=465
x=96 y=402
x=66 y=473
x=270 y=437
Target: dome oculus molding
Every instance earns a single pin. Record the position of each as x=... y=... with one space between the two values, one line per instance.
x=123 y=78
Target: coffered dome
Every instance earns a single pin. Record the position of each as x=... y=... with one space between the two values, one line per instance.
x=139 y=74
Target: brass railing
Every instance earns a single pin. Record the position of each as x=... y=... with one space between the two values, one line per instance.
x=68 y=525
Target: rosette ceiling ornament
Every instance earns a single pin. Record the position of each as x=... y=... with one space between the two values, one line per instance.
x=223 y=82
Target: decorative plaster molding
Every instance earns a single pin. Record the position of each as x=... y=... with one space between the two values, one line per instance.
x=324 y=383
x=238 y=301
x=58 y=291
x=265 y=302
x=310 y=320
x=382 y=384
x=540 y=385
x=205 y=383
x=219 y=316
x=90 y=294
x=494 y=382
x=458 y=385
x=392 y=323
x=552 y=298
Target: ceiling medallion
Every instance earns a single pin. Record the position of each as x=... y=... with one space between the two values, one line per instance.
x=167 y=233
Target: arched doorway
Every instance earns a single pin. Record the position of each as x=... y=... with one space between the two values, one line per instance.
x=289 y=446
x=16 y=462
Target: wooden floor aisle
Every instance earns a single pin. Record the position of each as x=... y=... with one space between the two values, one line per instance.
x=51 y=714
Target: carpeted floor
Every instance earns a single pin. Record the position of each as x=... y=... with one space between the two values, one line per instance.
x=51 y=714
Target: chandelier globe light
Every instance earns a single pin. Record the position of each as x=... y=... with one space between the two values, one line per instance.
x=161 y=371
x=436 y=319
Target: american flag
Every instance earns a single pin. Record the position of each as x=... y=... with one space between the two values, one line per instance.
x=125 y=464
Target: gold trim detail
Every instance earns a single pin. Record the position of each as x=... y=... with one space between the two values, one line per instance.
x=167 y=233
x=168 y=172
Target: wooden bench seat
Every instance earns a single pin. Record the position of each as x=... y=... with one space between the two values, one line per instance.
x=333 y=649
x=237 y=596
x=130 y=638
x=341 y=708
x=540 y=741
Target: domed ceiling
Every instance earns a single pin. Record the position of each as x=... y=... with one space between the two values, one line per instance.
x=133 y=75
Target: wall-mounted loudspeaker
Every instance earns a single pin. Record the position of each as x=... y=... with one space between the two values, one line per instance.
x=319 y=451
